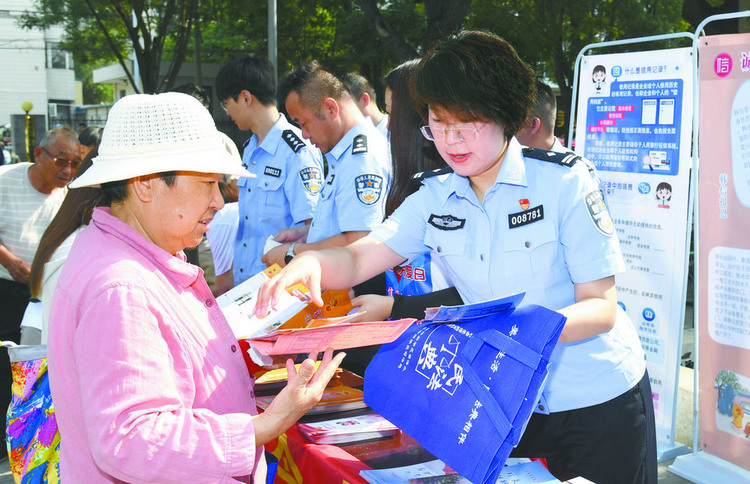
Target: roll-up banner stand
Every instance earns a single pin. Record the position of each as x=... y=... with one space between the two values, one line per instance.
x=634 y=123
x=721 y=452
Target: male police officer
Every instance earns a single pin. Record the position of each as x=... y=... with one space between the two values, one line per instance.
x=366 y=99
x=288 y=169
x=353 y=196
x=539 y=129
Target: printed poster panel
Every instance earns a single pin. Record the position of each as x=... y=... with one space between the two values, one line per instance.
x=724 y=248
x=634 y=124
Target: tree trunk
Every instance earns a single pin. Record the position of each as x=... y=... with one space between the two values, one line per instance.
x=444 y=17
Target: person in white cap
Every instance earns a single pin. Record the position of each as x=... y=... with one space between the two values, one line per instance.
x=148 y=381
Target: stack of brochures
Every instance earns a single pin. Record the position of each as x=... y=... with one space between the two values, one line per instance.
x=436 y=472
x=350 y=429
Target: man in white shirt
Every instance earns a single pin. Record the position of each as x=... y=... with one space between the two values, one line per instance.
x=30 y=194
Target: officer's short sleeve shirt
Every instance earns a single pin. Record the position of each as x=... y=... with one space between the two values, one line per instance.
x=542 y=228
x=354 y=192
x=289 y=177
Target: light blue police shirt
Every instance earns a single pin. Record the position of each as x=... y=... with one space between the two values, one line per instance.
x=542 y=228
x=289 y=176
x=354 y=192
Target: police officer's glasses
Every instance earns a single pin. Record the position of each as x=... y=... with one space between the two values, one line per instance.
x=62 y=162
x=464 y=133
x=223 y=106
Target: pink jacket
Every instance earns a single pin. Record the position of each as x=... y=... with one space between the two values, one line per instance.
x=147 y=379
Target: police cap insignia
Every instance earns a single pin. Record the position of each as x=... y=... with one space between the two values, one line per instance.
x=564 y=159
x=431 y=173
x=446 y=222
x=291 y=138
x=359 y=145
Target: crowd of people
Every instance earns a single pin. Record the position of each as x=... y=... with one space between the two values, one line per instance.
x=459 y=193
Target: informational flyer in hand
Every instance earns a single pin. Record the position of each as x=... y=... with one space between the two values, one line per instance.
x=238 y=305
x=473 y=311
x=296 y=325
x=337 y=334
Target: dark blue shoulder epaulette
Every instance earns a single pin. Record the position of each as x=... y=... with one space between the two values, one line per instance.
x=245 y=143
x=292 y=140
x=564 y=159
x=431 y=173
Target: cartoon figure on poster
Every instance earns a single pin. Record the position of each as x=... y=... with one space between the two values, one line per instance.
x=599 y=77
x=733 y=404
x=663 y=194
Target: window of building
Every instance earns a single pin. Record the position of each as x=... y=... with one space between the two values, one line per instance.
x=58 y=58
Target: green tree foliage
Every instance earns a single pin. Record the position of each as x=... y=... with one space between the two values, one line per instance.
x=93 y=93
x=367 y=36
x=549 y=34
x=101 y=30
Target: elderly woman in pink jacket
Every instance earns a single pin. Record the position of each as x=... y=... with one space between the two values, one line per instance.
x=148 y=381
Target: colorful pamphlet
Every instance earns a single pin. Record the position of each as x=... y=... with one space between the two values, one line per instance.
x=296 y=325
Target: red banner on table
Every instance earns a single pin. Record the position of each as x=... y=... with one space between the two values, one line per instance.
x=318 y=463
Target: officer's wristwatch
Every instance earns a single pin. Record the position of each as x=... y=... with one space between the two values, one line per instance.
x=290 y=253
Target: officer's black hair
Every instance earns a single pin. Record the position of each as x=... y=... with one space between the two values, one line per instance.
x=312 y=84
x=545 y=106
x=357 y=85
x=410 y=151
x=478 y=77
x=90 y=136
x=253 y=74
x=194 y=90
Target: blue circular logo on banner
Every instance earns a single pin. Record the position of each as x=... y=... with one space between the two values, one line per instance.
x=644 y=188
x=649 y=314
x=616 y=71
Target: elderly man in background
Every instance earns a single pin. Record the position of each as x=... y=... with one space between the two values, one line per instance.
x=148 y=380
x=30 y=195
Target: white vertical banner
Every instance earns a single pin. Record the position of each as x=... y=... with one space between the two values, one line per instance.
x=634 y=123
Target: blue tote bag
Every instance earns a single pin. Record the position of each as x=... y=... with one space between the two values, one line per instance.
x=466 y=390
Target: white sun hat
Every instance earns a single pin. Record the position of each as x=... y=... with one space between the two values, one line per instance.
x=154 y=133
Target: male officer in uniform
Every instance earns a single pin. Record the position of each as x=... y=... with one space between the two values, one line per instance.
x=366 y=99
x=539 y=129
x=288 y=169
x=353 y=196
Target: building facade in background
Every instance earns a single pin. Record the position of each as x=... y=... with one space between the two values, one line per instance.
x=32 y=68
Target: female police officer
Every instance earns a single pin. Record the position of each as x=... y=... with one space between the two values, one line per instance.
x=509 y=219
